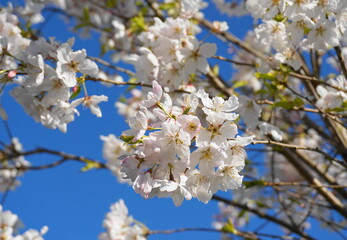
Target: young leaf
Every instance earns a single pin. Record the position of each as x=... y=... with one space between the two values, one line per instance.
x=229 y=227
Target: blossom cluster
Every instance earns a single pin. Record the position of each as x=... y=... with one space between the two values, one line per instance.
x=308 y=24
x=183 y=155
x=9 y=224
x=286 y=30
x=45 y=71
x=171 y=53
x=329 y=97
x=12 y=164
x=112 y=149
x=120 y=225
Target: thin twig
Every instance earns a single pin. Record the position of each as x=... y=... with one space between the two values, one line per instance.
x=233 y=39
x=304 y=109
x=236 y=232
x=311 y=179
x=315 y=80
x=107 y=64
x=64 y=156
x=341 y=60
x=262 y=215
x=129 y=84
x=234 y=62
x=296 y=147
x=299 y=184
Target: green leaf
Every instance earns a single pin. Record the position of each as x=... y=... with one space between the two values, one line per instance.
x=131 y=87
x=90 y=165
x=260 y=204
x=111 y=3
x=242 y=213
x=343 y=108
x=103 y=50
x=78 y=26
x=122 y=99
x=215 y=69
x=126 y=139
x=272 y=89
x=86 y=16
x=284 y=104
x=76 y=92
x=279 y=18
x=249 y=184
x=229 y=227
x=298 y=102
x=240 y=84
x=138 y=24
x=186 y=111
x=269 y=76
x=306 y=30
x=167 y=6
x=129 y=139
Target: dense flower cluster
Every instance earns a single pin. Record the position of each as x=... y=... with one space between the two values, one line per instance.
x=9 y=224
x=11 y=162
x=182 y=157
x=120 y=225
x=45 y=72
x=184 y=140
x=114 y=148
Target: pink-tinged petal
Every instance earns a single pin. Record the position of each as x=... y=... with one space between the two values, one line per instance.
x=202 y=65
x=66 y=75
x=157 y=90
x=88 y=67
x=97 y=99
x=231 y=105
x=203 y=138
x=206 y=101
x=95 y=109
x=208 y=50
x=78 y=56
x=321 y=91
x=77 y=102
x=244 y=141
x=143 y=185
x=228 y=129
x=63 y=53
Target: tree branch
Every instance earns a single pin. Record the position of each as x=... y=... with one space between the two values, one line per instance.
x=263 y=215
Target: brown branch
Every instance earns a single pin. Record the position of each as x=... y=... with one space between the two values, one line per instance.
x=233 y=39
x=304 y=109
x=329 y=196
x=107 y=64
x=246 y=235
x=234 y=62
x=321 y=111
x=296 y=147
x=315 y=80
x=128 y=84
x=64 y=156
x=156 y=11
x=299 y=184
x=263 y=215
x=26 y=168
x=341 y=60
x=219 y=84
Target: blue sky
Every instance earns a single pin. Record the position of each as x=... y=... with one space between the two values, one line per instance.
x=73 y=203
